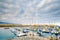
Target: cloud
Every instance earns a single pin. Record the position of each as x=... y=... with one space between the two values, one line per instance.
x=30 y=11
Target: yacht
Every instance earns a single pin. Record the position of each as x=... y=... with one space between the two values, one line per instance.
x=17 y=32
x=54 y=32
x=45 y=30
x=26 y=30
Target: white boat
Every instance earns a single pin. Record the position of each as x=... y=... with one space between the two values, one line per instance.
x=19 y=34
x=54 y=31
x=16 y=32
x=26 y=30
x=45 y=30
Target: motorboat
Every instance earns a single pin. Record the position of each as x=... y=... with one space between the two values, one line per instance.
x=45 y=31
x=26 y=30
x=39 y=32
x=19 y=34
x=54 y=32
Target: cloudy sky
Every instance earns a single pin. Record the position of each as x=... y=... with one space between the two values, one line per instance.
x=30 y=11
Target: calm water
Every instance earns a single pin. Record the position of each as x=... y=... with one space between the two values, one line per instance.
x=6 y=34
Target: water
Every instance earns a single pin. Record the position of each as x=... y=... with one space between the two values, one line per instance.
x=45 y=34
x=6 y=34
x=48 y=35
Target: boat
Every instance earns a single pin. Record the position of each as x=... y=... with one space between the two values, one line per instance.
x=26 y=30
x=54 y=32
x=45 y=31
x=17 y=32
x=39 y=32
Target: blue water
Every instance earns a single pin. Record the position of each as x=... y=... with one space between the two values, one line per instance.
x=48 y=35
x=6 y=34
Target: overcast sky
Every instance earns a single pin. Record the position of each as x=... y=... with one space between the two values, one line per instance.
x=30 y=11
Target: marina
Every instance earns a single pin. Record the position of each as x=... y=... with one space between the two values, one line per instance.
x=29 y=19
x=27 y=32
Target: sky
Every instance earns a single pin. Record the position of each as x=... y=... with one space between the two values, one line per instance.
x=30 y=11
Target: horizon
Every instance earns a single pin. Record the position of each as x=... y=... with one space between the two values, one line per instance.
x=32 y=24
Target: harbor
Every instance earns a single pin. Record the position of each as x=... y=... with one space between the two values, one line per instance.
x=29 y=19
x=32 y=33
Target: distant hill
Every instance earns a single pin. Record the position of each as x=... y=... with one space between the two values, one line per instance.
x=4 y=23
